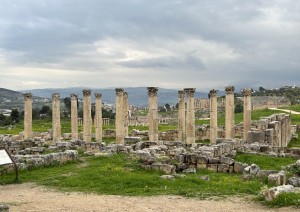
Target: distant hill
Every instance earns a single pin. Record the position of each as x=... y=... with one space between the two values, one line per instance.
x=9 y=94
x=136 y=95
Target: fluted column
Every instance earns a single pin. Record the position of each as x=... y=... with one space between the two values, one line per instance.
x=153 y=114
x=87 y=115
x=56 y=128
x=229 y=112
x=125 y=113
x=190 y=115
x=247 y=112
x=98 y=117
x=74 y=117
x=119 y=116
x=213 y=116
x=27 y=115
x=181 y=116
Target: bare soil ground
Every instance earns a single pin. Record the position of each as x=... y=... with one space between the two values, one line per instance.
x=31 y=197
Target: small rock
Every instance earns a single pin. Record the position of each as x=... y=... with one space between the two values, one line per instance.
x=247 y=177
x=179 y=175
x=254 y=169
x=167 y=177
x=189 y=171
x=271 y=193
x=294 y=181
x=205 y=178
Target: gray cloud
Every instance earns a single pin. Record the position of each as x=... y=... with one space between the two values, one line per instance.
x=204 y=44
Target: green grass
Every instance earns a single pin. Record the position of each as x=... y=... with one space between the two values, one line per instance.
x=285 y=199
x=119 y=175
x=264 y=162
x=295 y=142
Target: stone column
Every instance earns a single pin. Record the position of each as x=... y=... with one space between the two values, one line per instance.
x=119 y=116
x=56 y=128
x=229 y=112
x=98 y=117
x=190 y=115
x=125 y=113
x=153 y=114
x=181 y=116
x=74 y=117
x=27 y=115
x=87 y=115
x=247 y=112
x=213 y=116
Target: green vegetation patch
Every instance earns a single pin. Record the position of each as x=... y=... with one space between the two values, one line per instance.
x=264 y=162
x=122 y=175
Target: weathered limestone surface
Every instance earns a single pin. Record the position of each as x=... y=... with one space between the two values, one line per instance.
x=125 y=113
x=87 y=115
x=153 y=114
x=56 y=128
x=190 y=115
x=119 y=116
x=247 y=112
x=27 y=115
x=213 y=116
x=74 y=117
x=181 y=116
x=98 y=117
x=229 y=112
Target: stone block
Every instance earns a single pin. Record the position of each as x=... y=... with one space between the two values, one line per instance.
x=271 y=193
x=239 y=167
x=278 y=178
x=227 y=160
x=223 y=168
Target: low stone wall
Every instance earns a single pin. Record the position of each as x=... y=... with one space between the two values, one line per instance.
x=31 y=161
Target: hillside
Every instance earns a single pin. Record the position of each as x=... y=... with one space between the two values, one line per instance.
x=136 y=95
x=9 y=94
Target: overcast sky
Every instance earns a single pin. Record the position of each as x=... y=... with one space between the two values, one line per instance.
x=204 y=44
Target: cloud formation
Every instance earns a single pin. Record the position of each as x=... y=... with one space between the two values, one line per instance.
x=172 y=43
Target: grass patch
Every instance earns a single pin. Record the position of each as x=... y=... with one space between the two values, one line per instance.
x=264 y=162
x=119 y=175
x=285 y=199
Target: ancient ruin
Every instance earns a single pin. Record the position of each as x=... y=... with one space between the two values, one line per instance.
x=181 y=116
x=213 y=116
x=74 y=117
x=27 y=115
x=153 y=114
x=119 y=116
x=87 y=115
x=56 y=128
x=98 y=117
x=229 y=112
x=190 y=115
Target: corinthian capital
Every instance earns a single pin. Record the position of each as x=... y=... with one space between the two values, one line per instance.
x=247 y=91
x=55 y=97
x=119 y=91
x=27 y=96
x=190 y=92
x=86 y=92
x=229 y=89
x=212 y=93
x=152 y=91
x=98 y=95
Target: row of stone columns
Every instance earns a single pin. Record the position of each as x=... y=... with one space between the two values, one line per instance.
x=186 y=117
x=56 y=126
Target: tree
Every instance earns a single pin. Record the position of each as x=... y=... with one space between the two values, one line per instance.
x=67 y=102
x=15 y=115
x=167 y=106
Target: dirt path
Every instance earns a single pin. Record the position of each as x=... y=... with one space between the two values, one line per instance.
x=30 y=197
x=288 y=111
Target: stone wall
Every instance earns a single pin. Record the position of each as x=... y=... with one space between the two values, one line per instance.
x=275 y=130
